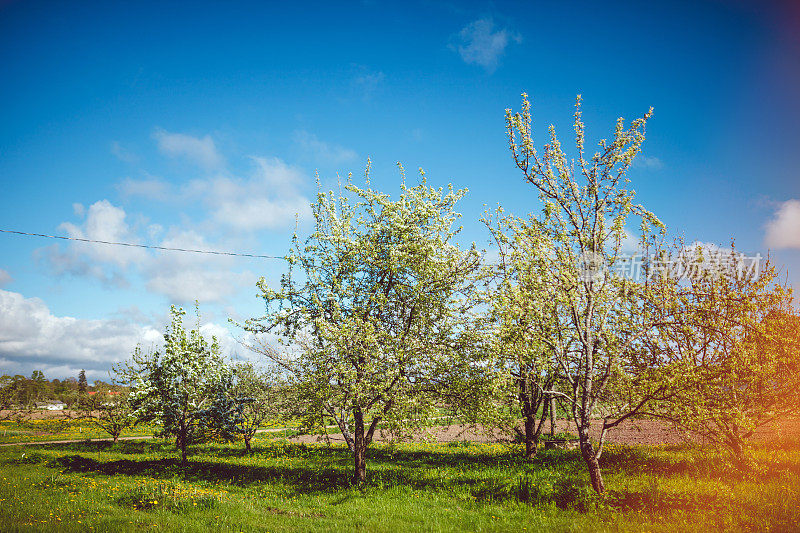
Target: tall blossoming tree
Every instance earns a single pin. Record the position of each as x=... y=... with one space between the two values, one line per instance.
x=602 y=319
x=376 y=306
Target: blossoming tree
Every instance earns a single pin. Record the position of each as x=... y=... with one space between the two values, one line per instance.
x=602 y=318
x=380 y=308
x=183 y=388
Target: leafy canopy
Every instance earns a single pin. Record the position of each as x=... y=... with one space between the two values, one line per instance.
x=382 y=300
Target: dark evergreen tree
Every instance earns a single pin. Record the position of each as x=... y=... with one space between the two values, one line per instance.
x=82 y=382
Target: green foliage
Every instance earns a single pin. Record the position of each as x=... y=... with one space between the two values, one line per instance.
x=525 y=321
x=18 y=393
x=733 y=338
x=82 y=384
x=109 y=412
x=184 y=390
x=595 y=321
x=380 y=312
x=261 y=397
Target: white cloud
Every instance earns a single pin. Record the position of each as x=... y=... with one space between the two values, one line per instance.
x=122 y=153
x=227 y=344
x=154 y=230
x=651 y=163
x=5 y=278
x=105 y=222
x=150 y=188
x=78 y=209
x=31 y=337
x=229 y=208
x=75 y=263
x=478 y=43
x=268 y=199
x=322 y=151
x=254 y=213
x=200 y=151
x=182 y=277
x=783 y=231
x=186 y=277
x=198 y=283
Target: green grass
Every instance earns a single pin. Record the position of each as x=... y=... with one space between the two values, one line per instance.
x=140 y=485
x=50 y=429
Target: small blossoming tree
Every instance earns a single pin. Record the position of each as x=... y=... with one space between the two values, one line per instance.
x=526 y=322
x=260 y=397
x=183 y=388
x=734 y=339
x=109 y=411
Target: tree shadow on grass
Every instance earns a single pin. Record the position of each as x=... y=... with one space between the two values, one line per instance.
x=487 y=476
x=633 y=460
x=327 y=468
x=702 y=463
x=132 y=447
x=653 y=502
x=305 y=480
x=311 y=478
x=456 y=457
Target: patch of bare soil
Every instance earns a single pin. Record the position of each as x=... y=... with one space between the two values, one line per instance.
x=631 y=432
x=38 y=414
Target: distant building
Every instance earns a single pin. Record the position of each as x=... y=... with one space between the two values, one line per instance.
x=51 y=406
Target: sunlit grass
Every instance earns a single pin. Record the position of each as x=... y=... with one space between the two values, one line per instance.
x=412 y=486
x=49 y=429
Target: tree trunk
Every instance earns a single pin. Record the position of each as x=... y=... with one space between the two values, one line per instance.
x=738 y=449
x=530 y=437
x=592 y=464
x=182 y=436
x=359 y=448
x=552 y=401
x=595 y=475
x=530 y=401
x=247 y=444
x=523 y=395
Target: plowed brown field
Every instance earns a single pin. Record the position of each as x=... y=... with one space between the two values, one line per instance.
x=652 y=432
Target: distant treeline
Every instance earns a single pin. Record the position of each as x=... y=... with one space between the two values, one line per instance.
x=19 y=391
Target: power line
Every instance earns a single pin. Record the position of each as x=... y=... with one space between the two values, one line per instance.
x=132 y=245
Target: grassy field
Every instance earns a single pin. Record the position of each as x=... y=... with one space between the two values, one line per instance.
x=139 y=485
x=49 y=429
x=53 y=428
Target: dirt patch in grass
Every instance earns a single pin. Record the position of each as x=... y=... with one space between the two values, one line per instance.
x=39 y=414
x=630 y=432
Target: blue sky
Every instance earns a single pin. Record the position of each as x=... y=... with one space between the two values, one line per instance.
x=201 y=125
